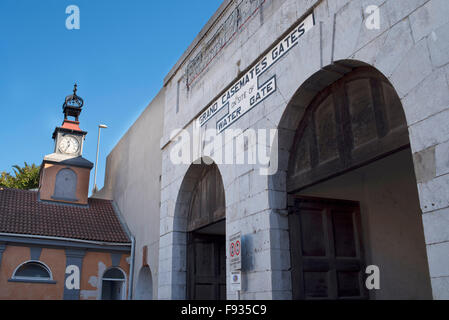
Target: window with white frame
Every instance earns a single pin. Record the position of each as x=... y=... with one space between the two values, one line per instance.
x=113 y=284
x=32 y=271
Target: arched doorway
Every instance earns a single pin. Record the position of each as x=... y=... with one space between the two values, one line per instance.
x=202 y=202
x=352 y=192
x=144 y=290
x=113 y=284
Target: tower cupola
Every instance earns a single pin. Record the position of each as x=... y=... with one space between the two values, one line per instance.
x=65 y=173
x=72 y=105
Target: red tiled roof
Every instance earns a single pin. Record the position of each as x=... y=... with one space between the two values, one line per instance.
x=22 y=213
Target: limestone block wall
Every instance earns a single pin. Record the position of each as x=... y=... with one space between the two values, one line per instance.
x=410 y=49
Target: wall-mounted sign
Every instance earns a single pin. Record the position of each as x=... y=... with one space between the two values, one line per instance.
x=235 y=251
x=247 y=93
x=236 y=280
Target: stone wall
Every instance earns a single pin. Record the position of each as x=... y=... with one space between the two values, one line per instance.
x=411 y=48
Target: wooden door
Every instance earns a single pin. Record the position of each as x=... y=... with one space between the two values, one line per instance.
x=326 y=249
x=206 y=267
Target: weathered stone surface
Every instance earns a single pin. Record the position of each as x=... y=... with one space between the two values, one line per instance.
x=303 y=6
x=282 y=295
x=335 y=6
x=370 y=52
x=431 y=16
x=398 y=10
x=433 y=194
x=397 y=44
x=442 y=158
x=281 y=280
x=438 y=42
x=429 y=97
x=436 y=226
x=367 y=35
x=429 y=131
x=379 y=3
x=440 y=288
x=424 y=162
x=348 y=24
x=438 y=255
x=412 y=70
x=326 y=26
x=258 y=282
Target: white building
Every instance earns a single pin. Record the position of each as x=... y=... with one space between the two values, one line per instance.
x=359 y=99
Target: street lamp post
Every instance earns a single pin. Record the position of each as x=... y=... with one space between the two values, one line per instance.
x=96 y=160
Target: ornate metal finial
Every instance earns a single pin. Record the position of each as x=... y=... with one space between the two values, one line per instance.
x=73 y=100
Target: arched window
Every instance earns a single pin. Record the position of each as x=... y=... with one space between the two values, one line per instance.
x=32 y=271
x=113 y=284
x=65 y=185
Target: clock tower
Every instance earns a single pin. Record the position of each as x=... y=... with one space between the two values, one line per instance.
x=65 y=173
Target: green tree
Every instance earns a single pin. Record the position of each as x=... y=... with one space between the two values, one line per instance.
x=26 y=177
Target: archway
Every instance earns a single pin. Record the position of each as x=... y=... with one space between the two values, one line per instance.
x=113 y=284
x=144 y=289
x=200 y=216
x=351 y=188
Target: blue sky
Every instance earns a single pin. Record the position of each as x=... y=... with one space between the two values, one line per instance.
x=118 y=57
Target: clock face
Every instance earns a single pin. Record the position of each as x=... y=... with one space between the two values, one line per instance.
x=69 y=145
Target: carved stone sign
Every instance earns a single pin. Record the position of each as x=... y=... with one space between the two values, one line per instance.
x=235 y=23
x=246 y=92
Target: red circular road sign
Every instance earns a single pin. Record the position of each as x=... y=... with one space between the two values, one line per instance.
x=232 y=249
x=237 y=248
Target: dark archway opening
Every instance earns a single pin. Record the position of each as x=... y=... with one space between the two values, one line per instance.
x=352 y=194
x=206 y=237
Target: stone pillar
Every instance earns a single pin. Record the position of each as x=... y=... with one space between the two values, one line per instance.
x=73 y=257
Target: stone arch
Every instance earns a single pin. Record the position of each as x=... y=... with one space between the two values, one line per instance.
x=291 y=117
x=144 y=289
x=295 y=110
x=297 y=115
x=192 y=212
x=354 y=120
x=194 y=173
x=202 y=213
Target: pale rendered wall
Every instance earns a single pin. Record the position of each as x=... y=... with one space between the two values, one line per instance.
x=132 y=180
